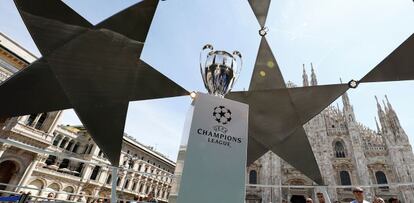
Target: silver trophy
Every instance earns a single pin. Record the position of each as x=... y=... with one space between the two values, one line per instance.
x=219 y=70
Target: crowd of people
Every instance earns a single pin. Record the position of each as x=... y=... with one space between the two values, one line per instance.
x=81 y=198
x=359 y=198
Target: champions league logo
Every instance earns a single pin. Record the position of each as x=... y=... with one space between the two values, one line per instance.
x=222 y=115
x=220 y=134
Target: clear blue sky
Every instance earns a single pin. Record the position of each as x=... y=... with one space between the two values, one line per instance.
x=343 y=38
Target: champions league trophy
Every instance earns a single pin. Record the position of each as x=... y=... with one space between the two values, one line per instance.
x=220 y=70
x=211 y=163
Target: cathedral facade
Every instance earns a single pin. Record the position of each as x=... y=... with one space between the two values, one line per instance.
x=348 y=154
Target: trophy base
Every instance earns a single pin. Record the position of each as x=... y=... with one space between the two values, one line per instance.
x=211 y=163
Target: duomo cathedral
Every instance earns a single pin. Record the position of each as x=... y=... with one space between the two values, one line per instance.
x=347 y=152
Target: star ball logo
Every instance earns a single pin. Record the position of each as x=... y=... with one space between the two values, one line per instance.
x=222 y=115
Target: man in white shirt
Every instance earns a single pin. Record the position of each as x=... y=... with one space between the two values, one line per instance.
x=359 y=195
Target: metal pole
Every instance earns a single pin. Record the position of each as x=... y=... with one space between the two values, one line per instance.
x=114 y=180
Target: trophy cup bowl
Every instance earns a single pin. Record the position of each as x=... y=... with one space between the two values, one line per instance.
x=219 y=70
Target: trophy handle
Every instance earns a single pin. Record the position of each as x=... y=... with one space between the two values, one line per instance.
x=203 y=57
x=238 y=58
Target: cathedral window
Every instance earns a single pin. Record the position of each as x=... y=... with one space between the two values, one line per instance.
x=381 y=179
x=345 y=178
x=339 y=150
x=253 y=177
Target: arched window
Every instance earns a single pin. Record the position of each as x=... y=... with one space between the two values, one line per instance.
x=54 y=187
x=95 y=172
x=134 y=186
x=339 y=150
x=253 y=177
x=36 y=185
x=69 y=190
x=381 y=179
x=345 y=178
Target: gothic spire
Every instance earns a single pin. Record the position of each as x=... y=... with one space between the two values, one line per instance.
x=347 y=107
x=392 y=116
x=376 y=123
x=314 y=81
x=381 y=116
x=389 y=104
x=385 y=107
x=305 y=77
x=378 y=105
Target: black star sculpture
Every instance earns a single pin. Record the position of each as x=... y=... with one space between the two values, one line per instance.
x=277 y=113
x=94 y=69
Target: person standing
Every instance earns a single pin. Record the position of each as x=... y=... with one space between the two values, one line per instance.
x=151 y=198
x=378 y=200
x=359 y=195
x=320 y=197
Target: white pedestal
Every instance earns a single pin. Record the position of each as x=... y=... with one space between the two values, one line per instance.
x=211 y=166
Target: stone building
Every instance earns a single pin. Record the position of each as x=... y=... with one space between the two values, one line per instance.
x=347 y=152
x=143 y=169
